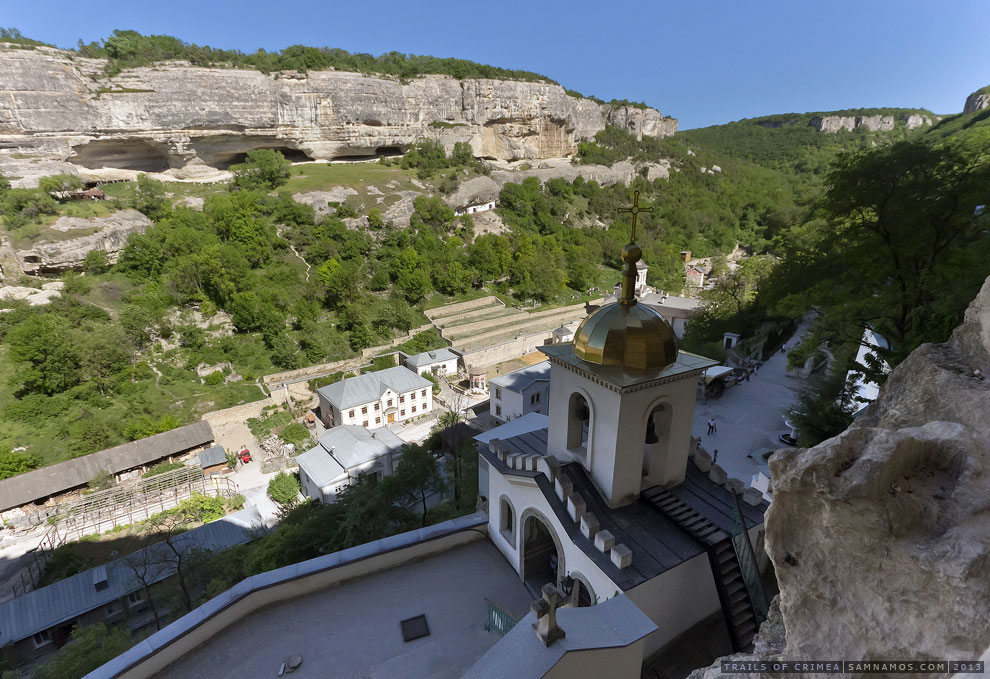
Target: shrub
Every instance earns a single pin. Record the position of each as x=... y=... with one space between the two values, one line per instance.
x=161 y=468
x=296 y=434
x=284 y=489
x=96 y=262
x=101 y=481
x=214 y=378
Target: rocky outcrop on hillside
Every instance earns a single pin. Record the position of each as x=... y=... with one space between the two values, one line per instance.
x=483 y=189
x=832 y=124
x=915 y=120
x=639 y=121
x=103 y=233
x=977 y=101
x=57 y=106
x=879 y=536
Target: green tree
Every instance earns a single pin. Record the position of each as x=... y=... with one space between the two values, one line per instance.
x=490 y=256
x=96 y=262
x=42 y=343
x=900 y=247
x=375 y=220
x=263 y=169
x=60 y=184
x=284 y=489
x=12 y=464
x=418 y=477
x=150 y=199
x=91 y=647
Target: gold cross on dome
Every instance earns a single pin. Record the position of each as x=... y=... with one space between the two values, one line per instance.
x=634 y=211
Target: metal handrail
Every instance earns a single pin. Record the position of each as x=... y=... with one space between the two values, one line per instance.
x=497 y=619
x=747 y=563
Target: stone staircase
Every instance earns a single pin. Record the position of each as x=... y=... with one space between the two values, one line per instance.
x=737 y=608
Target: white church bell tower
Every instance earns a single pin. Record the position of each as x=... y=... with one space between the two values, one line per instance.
x=622 y=396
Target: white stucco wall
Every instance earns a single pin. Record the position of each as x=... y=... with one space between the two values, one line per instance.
x=445 y=367
x=617 y=430
x=524 y=494
x=402 y=403
x=677 y=600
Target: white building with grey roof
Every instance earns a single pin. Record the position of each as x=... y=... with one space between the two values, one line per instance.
x=520 y=392
x=376 y=399
x=344 y=454
x=439 y=361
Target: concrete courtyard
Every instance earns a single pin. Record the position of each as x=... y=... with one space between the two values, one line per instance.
x=750 y=416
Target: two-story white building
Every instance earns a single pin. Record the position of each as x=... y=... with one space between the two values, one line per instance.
x=342 y=456
x=438 y=362
x=376 y=399
x=520 y=392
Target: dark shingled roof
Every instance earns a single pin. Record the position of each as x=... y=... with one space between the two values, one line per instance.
x=657 y=543
x=58 y=478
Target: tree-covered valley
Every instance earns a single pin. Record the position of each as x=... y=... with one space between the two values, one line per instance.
x=859 y=227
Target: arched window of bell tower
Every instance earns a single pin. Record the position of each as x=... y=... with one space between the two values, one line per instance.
x=580 y=420
x=656 y=441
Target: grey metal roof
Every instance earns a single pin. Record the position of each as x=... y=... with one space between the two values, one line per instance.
x=520 y=380
x=57 y=478
x=431 y=357
x=355 y=391
x=212 y=457
x=67 y=599
x=352 y=447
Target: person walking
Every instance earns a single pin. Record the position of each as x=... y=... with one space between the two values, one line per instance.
x=712 y=428
x=715 y=457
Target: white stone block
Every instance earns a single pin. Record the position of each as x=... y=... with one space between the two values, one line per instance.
x=604 y=541
x=702 y=460
x=576 y=506
x=717 y=474
x=621 y=556
x=589 y=526
x=735 y=485
x=752 y=496
x=563 y=486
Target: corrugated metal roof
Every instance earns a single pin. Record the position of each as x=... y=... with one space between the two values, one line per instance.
x=523 y=378
x=352 y=447
x=212 y=457
x=57 y=478
x=355 y=391
x=431 y=357
x=67 y=599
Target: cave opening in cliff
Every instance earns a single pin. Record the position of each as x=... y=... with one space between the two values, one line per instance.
x=124 y=154
x=223 y=161
x=372 y=154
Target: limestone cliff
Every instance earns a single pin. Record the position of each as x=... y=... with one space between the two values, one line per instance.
x=880 y=537
x=832 y=124
x=99 y=233
x=56 y=105
x=977 y=101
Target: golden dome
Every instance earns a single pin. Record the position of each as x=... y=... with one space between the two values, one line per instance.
x=628 y=336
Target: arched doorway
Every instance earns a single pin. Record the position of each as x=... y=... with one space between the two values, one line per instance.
x=541 y=555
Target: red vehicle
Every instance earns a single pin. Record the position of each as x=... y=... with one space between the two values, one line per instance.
x=244 y=456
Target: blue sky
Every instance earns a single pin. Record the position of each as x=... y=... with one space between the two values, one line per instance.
x=703 y=61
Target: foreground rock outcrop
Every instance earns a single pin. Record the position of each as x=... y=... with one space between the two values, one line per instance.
x=101 y=233
x=56 y=105
x=880 y=537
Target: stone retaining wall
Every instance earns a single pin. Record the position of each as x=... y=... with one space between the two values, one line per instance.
x=457 y=307
x=506 y=351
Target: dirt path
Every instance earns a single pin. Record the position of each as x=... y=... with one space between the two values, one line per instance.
x=278 y=230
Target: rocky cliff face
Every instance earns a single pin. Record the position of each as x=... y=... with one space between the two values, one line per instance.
x=878 y=123
x=639 y=121
x=977 y=101
x=880 y=537
x=100 y=233
x=184 y=119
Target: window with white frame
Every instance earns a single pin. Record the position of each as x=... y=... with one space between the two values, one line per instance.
x=42 y=638
x=135 y=598
x=498 y=392
x=534 y=399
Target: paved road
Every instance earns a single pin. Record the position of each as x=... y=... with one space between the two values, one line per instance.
x=750 y=417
